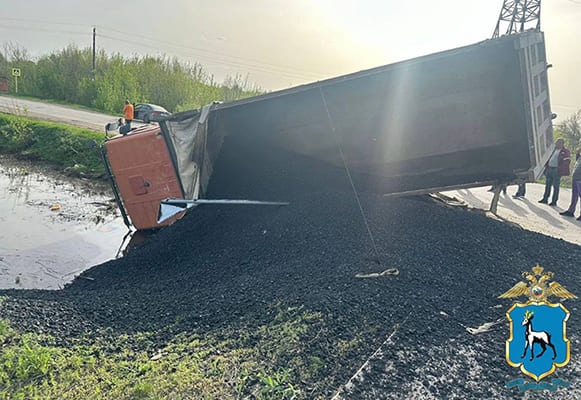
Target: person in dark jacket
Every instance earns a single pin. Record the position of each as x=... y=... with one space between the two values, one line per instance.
x=558 y=165
x=575 y=185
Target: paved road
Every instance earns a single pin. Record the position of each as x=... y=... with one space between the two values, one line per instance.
x=56 y=113
x=527 y=212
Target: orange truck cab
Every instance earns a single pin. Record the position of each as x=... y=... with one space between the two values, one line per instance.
x=141 y=173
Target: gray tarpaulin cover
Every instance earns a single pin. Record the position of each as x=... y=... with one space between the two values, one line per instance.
x=188 y=135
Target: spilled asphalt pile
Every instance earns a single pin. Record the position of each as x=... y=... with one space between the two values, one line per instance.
x=232 y=266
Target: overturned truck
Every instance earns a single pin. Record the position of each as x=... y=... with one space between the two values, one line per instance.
x=466 y=117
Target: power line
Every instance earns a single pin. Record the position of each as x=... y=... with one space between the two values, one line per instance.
x=213 y=60
x=243 y=61
x=127 y=34
x=223 y=60
x=206 y=55
x=255 y=67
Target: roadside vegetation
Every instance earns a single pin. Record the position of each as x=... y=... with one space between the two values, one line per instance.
x=67 y=76
x=229 y=364
x=73 y=150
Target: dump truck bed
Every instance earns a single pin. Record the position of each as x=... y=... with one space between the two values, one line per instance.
x=463 y=117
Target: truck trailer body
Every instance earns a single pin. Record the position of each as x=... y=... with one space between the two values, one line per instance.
x=465 y=117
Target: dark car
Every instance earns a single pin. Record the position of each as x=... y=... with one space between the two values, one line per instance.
x=149 y=112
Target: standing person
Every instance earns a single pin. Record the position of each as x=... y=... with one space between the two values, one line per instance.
x=521 y=191
x=575 y=185
x=128 y=111
x=558 y=165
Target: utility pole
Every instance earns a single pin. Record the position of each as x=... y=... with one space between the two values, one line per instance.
x=94 y=34
x=518 y=15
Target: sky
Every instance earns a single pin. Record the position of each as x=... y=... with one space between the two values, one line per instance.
x=277 y=44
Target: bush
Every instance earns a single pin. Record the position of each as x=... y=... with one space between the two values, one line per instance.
x=67 y=76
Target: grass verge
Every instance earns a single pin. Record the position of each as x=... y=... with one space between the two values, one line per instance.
x=225 y=364
x=75 y=150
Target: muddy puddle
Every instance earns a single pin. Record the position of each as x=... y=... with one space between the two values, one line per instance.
x=53 y=227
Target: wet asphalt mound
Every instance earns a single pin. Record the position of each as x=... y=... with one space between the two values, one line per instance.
x=232 y=266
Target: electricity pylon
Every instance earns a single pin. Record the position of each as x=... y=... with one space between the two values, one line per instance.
x=518 y=15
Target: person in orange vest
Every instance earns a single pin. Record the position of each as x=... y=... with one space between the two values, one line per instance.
x=128 y=111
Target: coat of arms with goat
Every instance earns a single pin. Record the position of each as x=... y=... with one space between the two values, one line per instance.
x=538 y=341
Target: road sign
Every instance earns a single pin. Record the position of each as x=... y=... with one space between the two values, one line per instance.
x=16 y=72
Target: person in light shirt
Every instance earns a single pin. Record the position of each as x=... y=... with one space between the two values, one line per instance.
x=558 y=165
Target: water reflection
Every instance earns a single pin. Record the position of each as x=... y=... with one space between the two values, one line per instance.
x=53 y=227
x=19 y=182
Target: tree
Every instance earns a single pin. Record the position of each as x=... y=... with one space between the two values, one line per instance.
x=14 y=53
x=570 y=129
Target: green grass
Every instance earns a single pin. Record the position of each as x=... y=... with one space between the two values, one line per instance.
x=265 y=362
x=70 y=148
x=565 y=181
